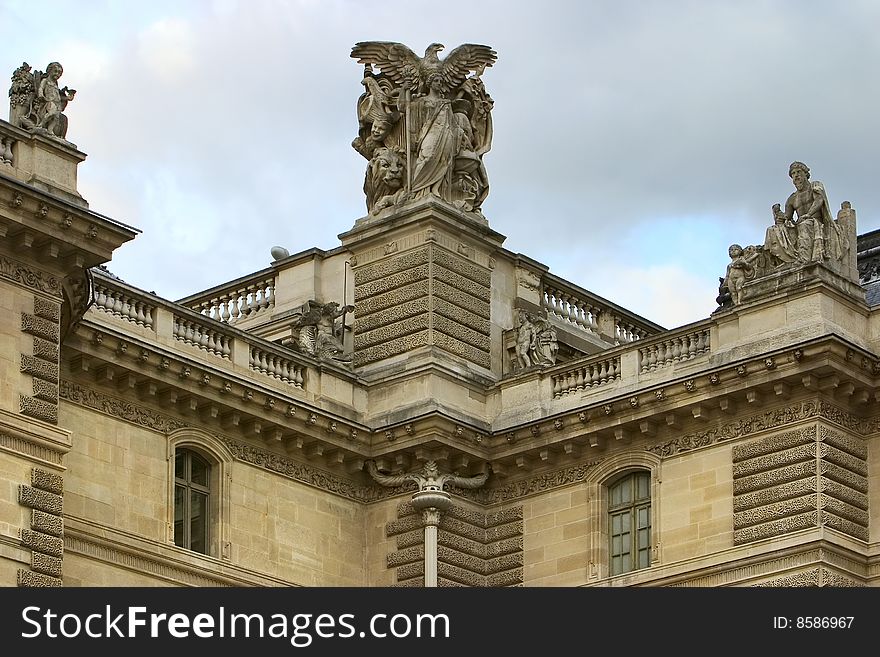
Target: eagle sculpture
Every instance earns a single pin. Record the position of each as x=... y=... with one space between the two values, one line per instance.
x=403 y=67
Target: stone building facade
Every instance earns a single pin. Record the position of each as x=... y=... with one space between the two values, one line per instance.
x=420 y=406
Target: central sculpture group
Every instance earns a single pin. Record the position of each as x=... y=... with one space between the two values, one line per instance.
x=424 y=124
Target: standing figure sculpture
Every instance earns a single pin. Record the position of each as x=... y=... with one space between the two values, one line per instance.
x=444 y=117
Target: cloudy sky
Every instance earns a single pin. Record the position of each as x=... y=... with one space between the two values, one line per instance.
x=634 y=140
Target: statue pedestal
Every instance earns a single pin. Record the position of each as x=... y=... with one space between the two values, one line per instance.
x=423 y=284
x=48 y=164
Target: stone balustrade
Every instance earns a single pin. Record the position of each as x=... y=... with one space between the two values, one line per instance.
x=204 y=337
x=570 y=308
x=585 y=375
x=626 y=365
x=241 y=299
x=590 y=313
x=673 y=349
x=119 y=303
x=276 y=366
x=6 y=144
x=172 y=324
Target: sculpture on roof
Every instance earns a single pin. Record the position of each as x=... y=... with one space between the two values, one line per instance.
x=804 y=233
x=37 y=103
x=317 y=332
x=433 y=113
x=536 y=341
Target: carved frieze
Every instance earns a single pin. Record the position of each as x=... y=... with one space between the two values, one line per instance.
x=24 y=275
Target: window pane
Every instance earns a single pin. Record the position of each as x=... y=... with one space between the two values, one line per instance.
x=199 y=470
x=644 y=518
x=179 y=465
x=643 y=484
x=179 y=515
x=198 y=522
x=630 y=523
x=616 y=495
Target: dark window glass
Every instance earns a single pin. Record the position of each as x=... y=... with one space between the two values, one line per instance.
x=629 y=526
x=192 y=475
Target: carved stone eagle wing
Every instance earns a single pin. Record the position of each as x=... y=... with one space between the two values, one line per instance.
x=464 y=59
x=394 y=60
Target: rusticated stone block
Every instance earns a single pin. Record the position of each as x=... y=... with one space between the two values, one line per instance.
x=404 y=295
x=775 y=528
x=774 y=477
x=40 y=499
x=42 y=542
x=845 y=526
x=461 y=299
x=463 y=267
x=854 y=446
x=775 y=443
x=46 y=564
x=40 y=368
x=47 y=309
x=31 y=579
x=47 y=523
x=48 y=481
x=389 y=266
x=509 y=578
x=46 y=350
x=388 y=283
x=846 y=477
x=42 y=328
x=38 y=409
x=403 y=557
x=773 y=511
x=46 y=391
x=845 y=460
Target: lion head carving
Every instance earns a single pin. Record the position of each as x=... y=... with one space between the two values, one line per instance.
x=383 y=183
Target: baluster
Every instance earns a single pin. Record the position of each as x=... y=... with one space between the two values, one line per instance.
x=615 y=369
x=252 y=360
x=270 y=293
x=557 y=387
x=298 y=377
x=203 y=337
x=579 y=383
x=225 y=351
x=701 y=343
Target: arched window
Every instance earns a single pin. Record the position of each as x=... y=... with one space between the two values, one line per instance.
x=629 y=522
x=192 y=501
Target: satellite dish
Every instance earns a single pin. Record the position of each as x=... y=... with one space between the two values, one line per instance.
x=279 y=253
